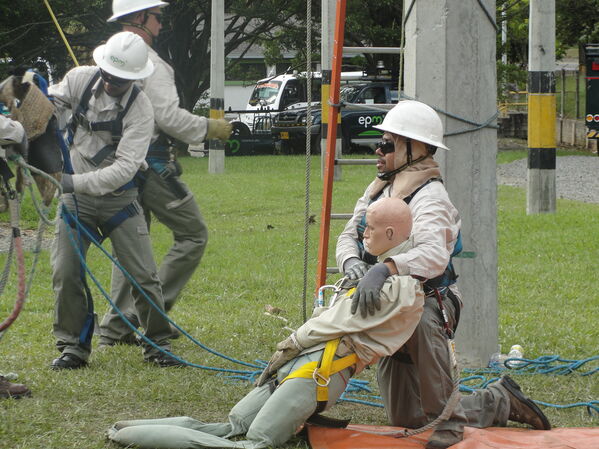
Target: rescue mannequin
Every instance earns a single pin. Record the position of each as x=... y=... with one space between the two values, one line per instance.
x=278 y=407
x=162 y=193
x=100 y=192
x=416 y=382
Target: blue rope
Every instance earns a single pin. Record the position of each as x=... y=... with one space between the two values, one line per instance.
x=247 y=374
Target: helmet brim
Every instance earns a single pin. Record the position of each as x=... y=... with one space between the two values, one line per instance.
x=412 y=136
x=114 y=71
x=117 y=16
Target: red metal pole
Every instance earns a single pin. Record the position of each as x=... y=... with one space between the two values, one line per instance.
x=329 y=166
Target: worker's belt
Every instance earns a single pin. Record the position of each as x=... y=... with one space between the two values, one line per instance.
x=322 y=370
x=169 y=173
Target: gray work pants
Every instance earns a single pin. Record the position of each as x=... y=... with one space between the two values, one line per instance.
x=415 y=389
x=268 y=419
x=190 y=236
x=132 y=247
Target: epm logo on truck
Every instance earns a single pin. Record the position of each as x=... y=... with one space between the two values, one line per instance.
x=357 y=132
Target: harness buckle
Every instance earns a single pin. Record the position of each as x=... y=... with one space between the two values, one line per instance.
x=82 y=121
x=317 y=376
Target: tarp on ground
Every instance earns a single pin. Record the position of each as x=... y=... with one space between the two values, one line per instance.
x=359 y=436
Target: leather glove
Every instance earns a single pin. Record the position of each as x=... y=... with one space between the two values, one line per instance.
x=355 y=268
x=21 y=148
x=368 y=292
x=287 y=350
x=66 y=182
x=219 y=129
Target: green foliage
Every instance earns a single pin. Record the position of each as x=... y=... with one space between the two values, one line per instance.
x=255 y=215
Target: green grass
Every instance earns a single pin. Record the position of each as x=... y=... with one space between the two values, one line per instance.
x=255 y=214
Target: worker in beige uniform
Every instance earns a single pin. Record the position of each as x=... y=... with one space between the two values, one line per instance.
x=112 y=124
x=12 y=140
x=311 y=368
x=416 y=382
x=162 y=193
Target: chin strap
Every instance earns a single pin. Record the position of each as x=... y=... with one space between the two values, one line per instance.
x=140 y=26
x=386 y=176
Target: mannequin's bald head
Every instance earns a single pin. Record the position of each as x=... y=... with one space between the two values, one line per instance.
x=388 y=223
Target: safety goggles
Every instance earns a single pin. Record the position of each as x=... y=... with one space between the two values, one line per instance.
x=157 y=16
x=113 y=80
x=386 y=146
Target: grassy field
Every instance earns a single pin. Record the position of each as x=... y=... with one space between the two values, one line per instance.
x=255 y=213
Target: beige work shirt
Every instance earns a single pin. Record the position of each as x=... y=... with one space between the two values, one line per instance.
x=373 y=337
x=118 y=169
x=169 y=117
x=11 y=131
x=436 y=224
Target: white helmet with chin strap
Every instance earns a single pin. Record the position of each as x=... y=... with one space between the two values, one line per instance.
x=121 y=8
x=125 y=55
x=414 y=120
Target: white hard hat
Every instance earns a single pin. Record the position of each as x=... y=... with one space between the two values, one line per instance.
x=125 y=55
x=122 y=8
x=414 y=120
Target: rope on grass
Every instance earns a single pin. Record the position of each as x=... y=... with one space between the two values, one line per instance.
x=246 y=374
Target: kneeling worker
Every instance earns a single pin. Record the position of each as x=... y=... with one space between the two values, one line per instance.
x=344 y=344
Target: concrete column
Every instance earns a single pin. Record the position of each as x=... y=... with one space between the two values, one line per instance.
x=450 y=65
x=541 y=191
x=216 y=149
x=326 y=56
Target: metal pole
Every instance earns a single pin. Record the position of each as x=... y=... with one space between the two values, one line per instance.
x=327 y=191
x=216 y=149
x=326 y=56
x=541 y=192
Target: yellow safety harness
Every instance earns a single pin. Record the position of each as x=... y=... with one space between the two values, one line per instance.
x=322 y=370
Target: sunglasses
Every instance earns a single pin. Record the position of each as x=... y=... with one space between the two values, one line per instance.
x=386 y=146
x=157 y=16
x=113 y=80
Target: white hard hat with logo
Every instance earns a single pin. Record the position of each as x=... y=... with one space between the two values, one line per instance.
x=125 y=55
x=122 y=8
x=414 y=120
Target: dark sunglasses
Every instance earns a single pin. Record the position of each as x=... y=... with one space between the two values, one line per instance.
x=157 y=16
x=113 y=80
x=386 y=146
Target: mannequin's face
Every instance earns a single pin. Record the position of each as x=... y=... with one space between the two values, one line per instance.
x=375 y=236
x=388 y=224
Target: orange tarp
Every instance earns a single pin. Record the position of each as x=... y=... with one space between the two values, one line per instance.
x=364 y=437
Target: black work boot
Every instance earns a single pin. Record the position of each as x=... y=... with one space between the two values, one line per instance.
x=442 y=439
x=522 y=409
x=67 y=361
x=11 y=390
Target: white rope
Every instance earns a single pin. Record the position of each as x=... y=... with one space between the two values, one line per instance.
x=308 y=151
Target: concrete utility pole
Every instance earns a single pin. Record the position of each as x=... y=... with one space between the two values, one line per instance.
x=216 y=149
x=541 y=192
x=326 y=55
x=450 y=64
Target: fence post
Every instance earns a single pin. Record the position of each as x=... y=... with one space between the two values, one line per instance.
x=577 y=93
x=563 y=94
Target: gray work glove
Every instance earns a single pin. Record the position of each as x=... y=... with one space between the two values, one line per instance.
x=219 y=129
x=368 y=292
x=287 y=350
x=66 y=182
x=355 y=268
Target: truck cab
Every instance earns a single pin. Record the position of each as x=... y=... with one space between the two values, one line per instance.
x=278 y=93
